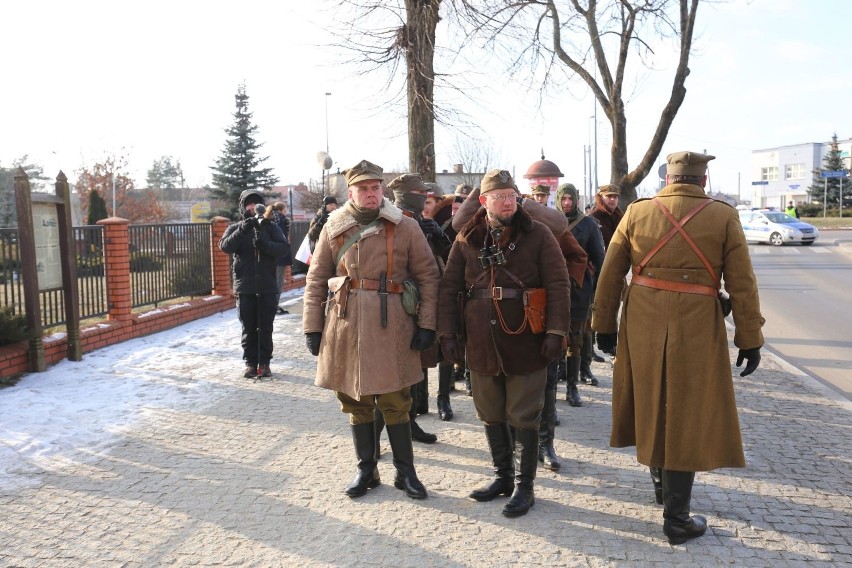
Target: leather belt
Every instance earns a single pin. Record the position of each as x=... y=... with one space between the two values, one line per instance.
x=671 y=286
x=498 y=293
x=367 y=284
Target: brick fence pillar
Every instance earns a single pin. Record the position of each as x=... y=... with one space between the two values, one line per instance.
x=221 y=261
x=117 y=263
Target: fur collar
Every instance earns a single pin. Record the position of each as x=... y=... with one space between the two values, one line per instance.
x=340 y=219
x=473 y=233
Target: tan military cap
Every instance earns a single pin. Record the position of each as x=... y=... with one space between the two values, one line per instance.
x=463 y=189
x=408 y=182
x=687 y=163
x=609 y=190
x=541 y=189
x=496 y=179
x=362 y=171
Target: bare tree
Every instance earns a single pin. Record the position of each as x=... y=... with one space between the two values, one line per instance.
x=476 y=157
x=593 y=41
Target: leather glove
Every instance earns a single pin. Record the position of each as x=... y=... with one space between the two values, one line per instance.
x=451 y=350
x=551 y=349
x=423 y=339
x=249 y=224
x=312 y=340
x=431 y=229
x=607 y=342
x=752 y=358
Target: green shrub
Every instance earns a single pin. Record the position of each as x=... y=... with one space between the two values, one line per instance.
x=193 y=279
x=144 y=262
x=90 y=265
x=13 y=327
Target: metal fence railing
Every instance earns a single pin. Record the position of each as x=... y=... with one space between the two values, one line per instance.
x=11 y=287
x=169 y=261
x=91 y=283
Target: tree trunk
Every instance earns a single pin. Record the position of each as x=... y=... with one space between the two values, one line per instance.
x=419 y=36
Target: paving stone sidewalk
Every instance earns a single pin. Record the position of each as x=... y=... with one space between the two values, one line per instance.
x=254 y=477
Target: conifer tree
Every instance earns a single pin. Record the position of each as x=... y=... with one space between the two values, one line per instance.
x=829 y=188
x=97 y=208
x=239 y=166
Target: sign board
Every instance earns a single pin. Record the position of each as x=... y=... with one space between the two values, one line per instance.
x=46 y=236
x=834 y=173
x=794 y=186
x=760 y=183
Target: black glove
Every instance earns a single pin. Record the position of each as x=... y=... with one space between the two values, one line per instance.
x=607 y=342
x=451 y=350
x=249 y=224
x=431 y=229
x=752 y=358
x=551 y=349
x=312 y=340
x=423 y=339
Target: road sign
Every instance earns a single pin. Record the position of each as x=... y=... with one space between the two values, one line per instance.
x=760 y=183
x=834 y=174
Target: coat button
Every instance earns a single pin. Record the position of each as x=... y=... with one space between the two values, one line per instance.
x=493 y=322
x=685 y=277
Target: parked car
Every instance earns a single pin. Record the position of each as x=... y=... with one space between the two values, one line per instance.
x=776 y=228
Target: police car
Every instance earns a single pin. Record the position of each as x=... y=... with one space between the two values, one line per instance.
x=776 y=228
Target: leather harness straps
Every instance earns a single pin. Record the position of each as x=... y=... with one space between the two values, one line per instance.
x=373 y=285
x=672 y=286
x=497 y=293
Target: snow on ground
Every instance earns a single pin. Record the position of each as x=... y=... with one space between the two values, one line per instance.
x=75 y=409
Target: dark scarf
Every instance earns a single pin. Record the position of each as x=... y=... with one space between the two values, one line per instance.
x=362 y=216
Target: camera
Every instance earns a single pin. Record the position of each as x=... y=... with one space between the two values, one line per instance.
x=491 y=256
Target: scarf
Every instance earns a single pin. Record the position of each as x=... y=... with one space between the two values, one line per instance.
x=361 y=215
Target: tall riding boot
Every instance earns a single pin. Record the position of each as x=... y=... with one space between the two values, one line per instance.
x=657 y=480
x=417 y=433
x=547 y=427
x=445 y=381
x=677 y=493
x=502 y=455
x=572 y=395
x=367 y=477
x=403 y=460
x=468 y=389
x=586 y=360
x=592 y=353
x=524 y=497
x=422 y=388
x=380 y=425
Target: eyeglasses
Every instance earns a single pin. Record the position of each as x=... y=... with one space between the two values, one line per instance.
x=501 y=197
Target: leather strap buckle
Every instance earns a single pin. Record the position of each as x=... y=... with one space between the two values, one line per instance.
x=497 y=292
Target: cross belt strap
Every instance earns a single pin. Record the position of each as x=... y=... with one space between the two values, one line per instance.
x=671 y=286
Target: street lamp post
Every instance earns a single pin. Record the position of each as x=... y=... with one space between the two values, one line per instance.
x=326 y=166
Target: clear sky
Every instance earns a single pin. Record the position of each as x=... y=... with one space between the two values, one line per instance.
x=88 y=78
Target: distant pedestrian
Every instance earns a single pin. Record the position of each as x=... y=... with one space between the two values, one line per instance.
x=673 y=395
x=256 y=244
x=329 y=204
x=283 y=270
x=792 y=210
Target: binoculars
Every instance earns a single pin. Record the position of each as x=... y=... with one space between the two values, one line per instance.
x=491 y=256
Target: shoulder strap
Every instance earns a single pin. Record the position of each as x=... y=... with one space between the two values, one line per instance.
x=353 y=239
x=389 y=230
x=677 y=227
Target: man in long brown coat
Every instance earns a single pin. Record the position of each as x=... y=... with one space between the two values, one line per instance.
x=673 y=394
x=500 y=258
x=368 y=345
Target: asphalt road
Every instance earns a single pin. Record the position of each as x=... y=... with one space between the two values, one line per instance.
x=806 y=298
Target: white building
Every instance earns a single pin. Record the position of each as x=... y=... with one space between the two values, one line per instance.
x=783 y=174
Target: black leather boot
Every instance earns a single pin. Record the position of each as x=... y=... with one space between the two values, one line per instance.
x=678 y=526
x=502 y=455
x=445 y=381
x=364 y=436
x=468 y=389
x=547 y=427
x=421 y=401
x=657 y=480
x=588 y=352
x=417 y=433
x=379 y=421
x=403 y=460
x=572 y=395
x=524 y=497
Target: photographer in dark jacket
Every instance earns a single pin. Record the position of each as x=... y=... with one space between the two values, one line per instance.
x=255 y=243
x=329 y=204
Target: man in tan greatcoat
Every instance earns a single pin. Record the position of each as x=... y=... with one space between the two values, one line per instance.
x=673 y=394
x=368 y=345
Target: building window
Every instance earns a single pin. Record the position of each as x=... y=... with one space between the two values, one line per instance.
x=794 y=171
x=769 y=174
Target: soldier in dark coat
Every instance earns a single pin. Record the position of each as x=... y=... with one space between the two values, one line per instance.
x=255 y=245
x=500 y=257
